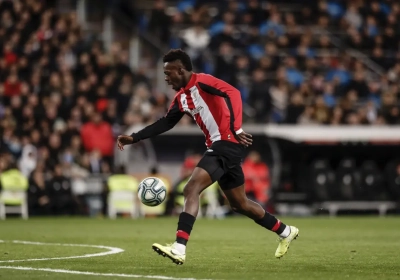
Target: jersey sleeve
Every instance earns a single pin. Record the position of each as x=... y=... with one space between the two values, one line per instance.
x=232 y=97
x=171 y=118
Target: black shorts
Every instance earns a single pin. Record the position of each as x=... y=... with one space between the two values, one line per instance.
x=223 y=162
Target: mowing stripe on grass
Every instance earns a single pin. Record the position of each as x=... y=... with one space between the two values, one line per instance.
x=110 y=251
x=95 y=273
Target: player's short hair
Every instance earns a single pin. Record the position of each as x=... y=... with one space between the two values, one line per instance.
x=178 y=54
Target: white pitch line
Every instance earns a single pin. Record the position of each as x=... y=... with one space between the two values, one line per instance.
x=111 y=251
x=96 y=274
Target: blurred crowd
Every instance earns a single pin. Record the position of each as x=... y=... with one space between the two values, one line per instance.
x=288 y=68
x=63 y=98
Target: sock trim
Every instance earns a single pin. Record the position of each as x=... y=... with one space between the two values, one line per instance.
x=276 y=226
x=182 y=234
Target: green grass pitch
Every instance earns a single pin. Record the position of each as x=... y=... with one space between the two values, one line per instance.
x=233 y=248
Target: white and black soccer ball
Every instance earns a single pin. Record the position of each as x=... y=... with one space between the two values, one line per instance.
x=152 y=191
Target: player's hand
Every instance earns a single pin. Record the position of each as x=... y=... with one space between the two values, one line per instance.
x=245 y=139
x=124 y=140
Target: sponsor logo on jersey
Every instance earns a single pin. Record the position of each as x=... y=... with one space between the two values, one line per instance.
x=194 y=111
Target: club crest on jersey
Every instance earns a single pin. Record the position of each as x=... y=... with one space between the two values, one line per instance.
x=194 y=111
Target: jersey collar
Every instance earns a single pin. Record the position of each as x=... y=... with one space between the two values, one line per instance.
x=191 y=82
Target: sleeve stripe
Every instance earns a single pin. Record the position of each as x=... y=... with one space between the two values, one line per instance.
x=212 y=90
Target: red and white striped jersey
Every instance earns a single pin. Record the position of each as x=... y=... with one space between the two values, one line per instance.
x=215 y=105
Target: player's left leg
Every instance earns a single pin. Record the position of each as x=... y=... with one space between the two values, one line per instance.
x=207 y=172
x=232 y=185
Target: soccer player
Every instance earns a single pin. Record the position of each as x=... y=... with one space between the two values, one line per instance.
x=216 y=107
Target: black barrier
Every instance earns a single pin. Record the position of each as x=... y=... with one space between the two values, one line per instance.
x=293 y=174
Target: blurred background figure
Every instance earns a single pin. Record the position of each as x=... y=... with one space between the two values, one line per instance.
x=59 y=189
x=257 y=178
x=38 y=198
x=175 y=199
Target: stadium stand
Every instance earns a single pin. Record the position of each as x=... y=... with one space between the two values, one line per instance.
x=304 y=62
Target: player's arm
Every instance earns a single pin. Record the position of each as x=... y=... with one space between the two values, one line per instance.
x=233 y=100
x=171 y=118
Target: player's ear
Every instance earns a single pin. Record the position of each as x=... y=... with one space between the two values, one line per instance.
x=180 y=71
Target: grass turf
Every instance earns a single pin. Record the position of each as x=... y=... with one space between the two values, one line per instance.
x=234 y=248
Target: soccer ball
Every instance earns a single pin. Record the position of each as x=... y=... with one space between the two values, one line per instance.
x=152 y=191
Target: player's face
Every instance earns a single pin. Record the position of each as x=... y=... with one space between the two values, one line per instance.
x=174 y=75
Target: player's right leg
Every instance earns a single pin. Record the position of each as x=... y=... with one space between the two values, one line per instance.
x=233 y=188
x=207 y=172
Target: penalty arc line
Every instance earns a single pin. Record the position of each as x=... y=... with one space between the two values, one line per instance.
x=111 y=250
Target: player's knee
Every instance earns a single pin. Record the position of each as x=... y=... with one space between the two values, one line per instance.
x=187 y=191
x=239 y=207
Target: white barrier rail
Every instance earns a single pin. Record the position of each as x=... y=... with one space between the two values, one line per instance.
x=305 y=133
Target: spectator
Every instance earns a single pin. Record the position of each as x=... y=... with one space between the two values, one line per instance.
x=259 y=97
x=175 y=197
x=97 y=134
x=59 y=190
x=353 y=17
x=257 y=182
x=38 y=199
x=307 y=117
x=12 y=87
x=279 y=98
x=295 y=108
x=28 y=159
x=160 y=21
x=195 y=39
